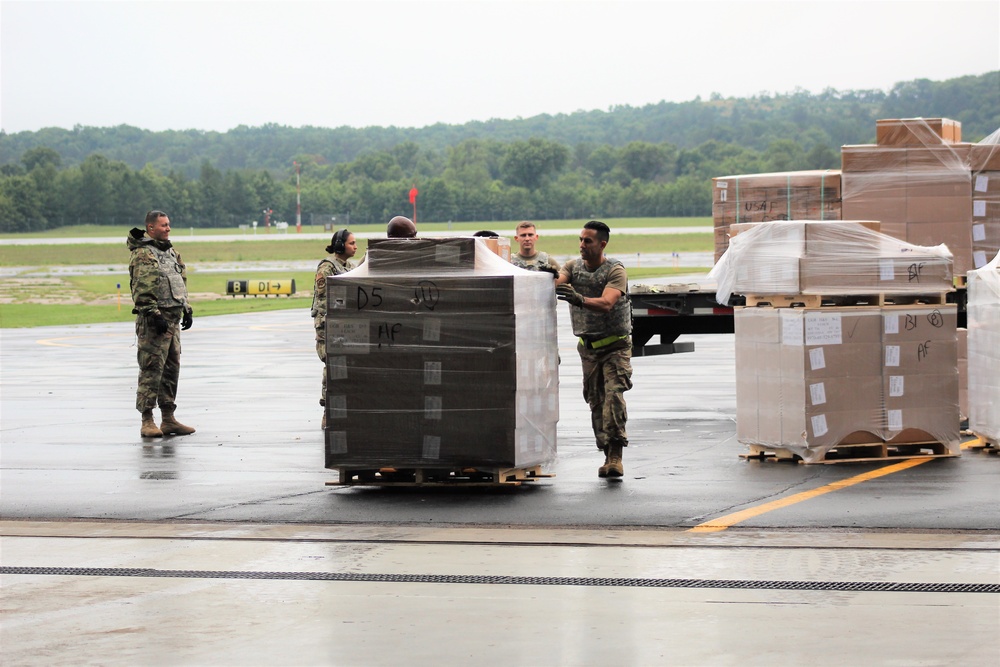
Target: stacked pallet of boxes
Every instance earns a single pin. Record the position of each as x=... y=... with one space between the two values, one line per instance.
x=917 y=181
x=440 y=355
x=845 y=341
x=984 y=161
x=790 y=195
x=984 y=351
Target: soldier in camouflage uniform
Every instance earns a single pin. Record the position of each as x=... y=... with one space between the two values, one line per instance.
x=158 y=279
x=342 y=248
x=596 y=288
x=527 y=257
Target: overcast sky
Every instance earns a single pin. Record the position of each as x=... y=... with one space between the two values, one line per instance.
x=215 y=65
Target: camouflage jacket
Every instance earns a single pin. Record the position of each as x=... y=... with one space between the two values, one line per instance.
x=157 y=277
x=331 y=265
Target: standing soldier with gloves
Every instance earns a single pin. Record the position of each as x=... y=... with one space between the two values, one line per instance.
x=342 y=248
x=596 y=287
x=158 y=279
x=527 y=256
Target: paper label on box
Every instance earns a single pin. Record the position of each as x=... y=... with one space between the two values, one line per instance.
x=432 y=329
x=891 y=324
x=432 y=372
x=337 y=442
x=817 y=393
x=978 y=208
x=823 y=329
x=891 y=356
x=522 y=444
x=886 y=269
x=336 y=407
x=432 y=447
x=432 y=407
x=722 y=184
x=894 y=419
x=819 y=426
x=982 y=183
x=337 y=368
x=522 y=402
x=337 y=297
x=447 y=254
x=791 y=328
x=979 y=258
x=817 y=360
x=348 y=336
x=723 y=196
x=979 y=232
x=896 y=385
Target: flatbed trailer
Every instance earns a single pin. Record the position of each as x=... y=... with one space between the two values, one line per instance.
x=670 y=311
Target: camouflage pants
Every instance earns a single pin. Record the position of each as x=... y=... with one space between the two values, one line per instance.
x=321 y=353
x=159 y=366
x=607 y=375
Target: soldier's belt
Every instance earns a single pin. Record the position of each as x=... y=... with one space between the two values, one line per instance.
x=603 y=342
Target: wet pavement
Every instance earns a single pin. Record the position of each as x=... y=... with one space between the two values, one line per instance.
x=227 y=547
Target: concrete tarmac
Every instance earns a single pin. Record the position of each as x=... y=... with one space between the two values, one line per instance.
x=226 y=547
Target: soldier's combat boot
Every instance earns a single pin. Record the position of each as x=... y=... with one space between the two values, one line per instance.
x=615 y=468
x=171 y=426
x=603 y=470
x=149 y=428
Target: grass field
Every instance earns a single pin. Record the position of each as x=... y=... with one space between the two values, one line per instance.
x=505 y=228
x=47 y=298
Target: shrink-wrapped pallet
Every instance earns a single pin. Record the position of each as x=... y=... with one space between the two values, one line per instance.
x=809 y=380
x=984 y=350
x=827 y=258
x=440 y=355
x=785 y=195
x=918 y=186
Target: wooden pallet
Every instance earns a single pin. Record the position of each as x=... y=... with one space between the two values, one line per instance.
x=838 y=301
x=473 y=477
x=982 y=443
x=865 y=452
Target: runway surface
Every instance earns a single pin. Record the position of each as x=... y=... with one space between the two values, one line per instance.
x=227 y=547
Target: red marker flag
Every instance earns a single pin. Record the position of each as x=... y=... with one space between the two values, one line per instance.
x=413 y=195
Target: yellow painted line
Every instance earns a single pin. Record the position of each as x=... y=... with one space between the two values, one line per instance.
x=977 y=442
x=724 y=522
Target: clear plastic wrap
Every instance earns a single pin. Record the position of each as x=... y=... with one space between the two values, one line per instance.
x=812 y=379
x=985 y=163
x=784 y=195
x=827 y=258
x=984 y=350
x=916 y=182
x=440 y=354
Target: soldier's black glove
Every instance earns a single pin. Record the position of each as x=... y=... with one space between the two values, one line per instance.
x=187 y=320
x=549 y=270
x=566 y=292
x=158 y=322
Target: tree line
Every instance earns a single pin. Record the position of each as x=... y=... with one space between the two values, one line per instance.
x=628 y=162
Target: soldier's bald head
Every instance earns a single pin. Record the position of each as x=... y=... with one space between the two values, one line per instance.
x=401 y=227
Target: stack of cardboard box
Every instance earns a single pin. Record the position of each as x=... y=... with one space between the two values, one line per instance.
x=828 y=258
x=811 y=379
x=920 y=181
x=984 y=351
x=791 y=195
x=985 y=164
x=440 y=355
x=916 y=181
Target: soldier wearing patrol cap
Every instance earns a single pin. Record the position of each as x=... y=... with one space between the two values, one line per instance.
x=158 y=280
x=596 y=287
x=342 y=248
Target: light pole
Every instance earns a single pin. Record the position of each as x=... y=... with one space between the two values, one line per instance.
x=298 y=201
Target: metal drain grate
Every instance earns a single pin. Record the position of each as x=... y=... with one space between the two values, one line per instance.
x=860 y=586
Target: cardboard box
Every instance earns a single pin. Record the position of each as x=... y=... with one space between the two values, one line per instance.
x=917 y=131
x=984 y=157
